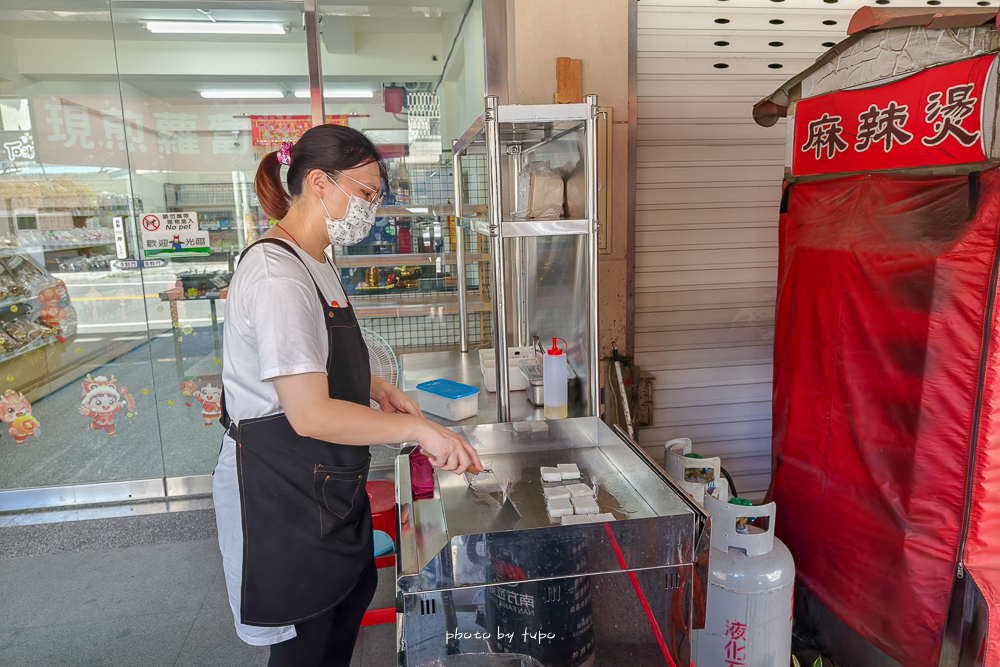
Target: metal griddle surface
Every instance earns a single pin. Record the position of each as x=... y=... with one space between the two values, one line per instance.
x=516 y=455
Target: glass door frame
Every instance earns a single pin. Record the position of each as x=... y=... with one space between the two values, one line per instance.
x=187 y=485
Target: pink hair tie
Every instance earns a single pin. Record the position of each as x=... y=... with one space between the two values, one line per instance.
x=284 y=153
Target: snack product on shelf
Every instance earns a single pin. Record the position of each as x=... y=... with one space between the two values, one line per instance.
x=6 y=342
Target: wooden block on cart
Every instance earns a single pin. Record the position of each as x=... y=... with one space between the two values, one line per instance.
x=569 y=81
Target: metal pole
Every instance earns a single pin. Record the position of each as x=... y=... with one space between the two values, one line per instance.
x=520 y=286
x=594 y=351
x=520 y=289
x=495 y=45
x=497 y=260
x=463 y=315
x=310 y=11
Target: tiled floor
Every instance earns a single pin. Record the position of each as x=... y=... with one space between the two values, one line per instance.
x=137 y=591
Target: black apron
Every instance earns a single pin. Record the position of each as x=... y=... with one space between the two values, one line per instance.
x=307 y=522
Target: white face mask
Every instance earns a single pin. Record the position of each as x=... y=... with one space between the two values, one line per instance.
x=357 y=220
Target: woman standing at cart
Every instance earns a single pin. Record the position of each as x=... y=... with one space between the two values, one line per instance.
x=295 y=526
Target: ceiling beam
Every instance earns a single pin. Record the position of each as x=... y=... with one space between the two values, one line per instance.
x=338 y=37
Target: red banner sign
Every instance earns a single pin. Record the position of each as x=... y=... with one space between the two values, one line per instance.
x=270 y=131
x=931 y=118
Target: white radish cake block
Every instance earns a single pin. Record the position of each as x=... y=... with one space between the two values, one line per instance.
x=580 y=490
x=551 y=474
x=601 y=518
x=576 y=519
x=585 y=505
x=558 y=507
x=556 y=492
x=558 y=502
x=568 y=471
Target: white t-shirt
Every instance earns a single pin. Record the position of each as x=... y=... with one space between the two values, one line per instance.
x=275 y=326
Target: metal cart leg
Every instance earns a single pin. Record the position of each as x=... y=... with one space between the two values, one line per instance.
x=497 y=263
x=593 y=354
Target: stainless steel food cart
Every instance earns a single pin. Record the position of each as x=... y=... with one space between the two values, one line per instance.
x=485 y=577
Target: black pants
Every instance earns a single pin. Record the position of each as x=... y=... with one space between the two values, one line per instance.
x=328 y=639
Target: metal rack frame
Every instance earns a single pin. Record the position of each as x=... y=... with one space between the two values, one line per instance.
x=496 y=228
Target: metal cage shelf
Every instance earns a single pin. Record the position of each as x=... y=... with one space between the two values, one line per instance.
x=508 y=138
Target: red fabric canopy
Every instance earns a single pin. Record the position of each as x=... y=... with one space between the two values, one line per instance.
x=887 y=401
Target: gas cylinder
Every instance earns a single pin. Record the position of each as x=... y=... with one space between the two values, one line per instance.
x=692 y=472
x=748 y=619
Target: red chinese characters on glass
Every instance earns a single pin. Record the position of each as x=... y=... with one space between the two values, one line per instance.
x=736 y=645
x=947 y=118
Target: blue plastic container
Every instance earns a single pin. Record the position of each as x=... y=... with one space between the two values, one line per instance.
x=451 y=400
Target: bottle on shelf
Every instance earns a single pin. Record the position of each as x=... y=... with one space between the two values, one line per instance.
x=555 y=382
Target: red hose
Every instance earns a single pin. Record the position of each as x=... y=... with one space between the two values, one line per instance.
x=642 y=598
x=379 y=616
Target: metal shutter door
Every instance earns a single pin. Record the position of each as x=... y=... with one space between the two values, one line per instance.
x=708 y=185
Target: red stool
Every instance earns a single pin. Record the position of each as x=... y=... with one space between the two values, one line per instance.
x=382 y=495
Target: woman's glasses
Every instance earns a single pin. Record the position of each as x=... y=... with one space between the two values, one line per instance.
x=375 y=199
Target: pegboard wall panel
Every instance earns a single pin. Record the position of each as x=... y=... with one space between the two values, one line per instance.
x=708 y=185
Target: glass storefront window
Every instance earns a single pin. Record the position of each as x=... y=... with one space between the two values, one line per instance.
x=75 y=368
x=129 y=149
x=211 y=116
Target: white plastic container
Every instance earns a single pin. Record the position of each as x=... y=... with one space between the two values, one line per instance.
x=448 y=399
x=556 y=383
x=488 y=366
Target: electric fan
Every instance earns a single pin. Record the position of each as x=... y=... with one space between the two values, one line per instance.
x=381 y=358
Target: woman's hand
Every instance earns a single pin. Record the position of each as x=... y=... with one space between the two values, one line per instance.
x=392 y=399
x=448 y=450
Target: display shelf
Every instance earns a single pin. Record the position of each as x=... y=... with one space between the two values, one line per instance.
x=72 y=212
x=50 y=247
x=218 y=206
x=522 y=228
x=414 y=259
x=433 y=305
x=476 y=225
x=405 y=212
x=43 y=341
x=9 y=251
x=15 y=300
x=516 y=159
x=535 y=125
